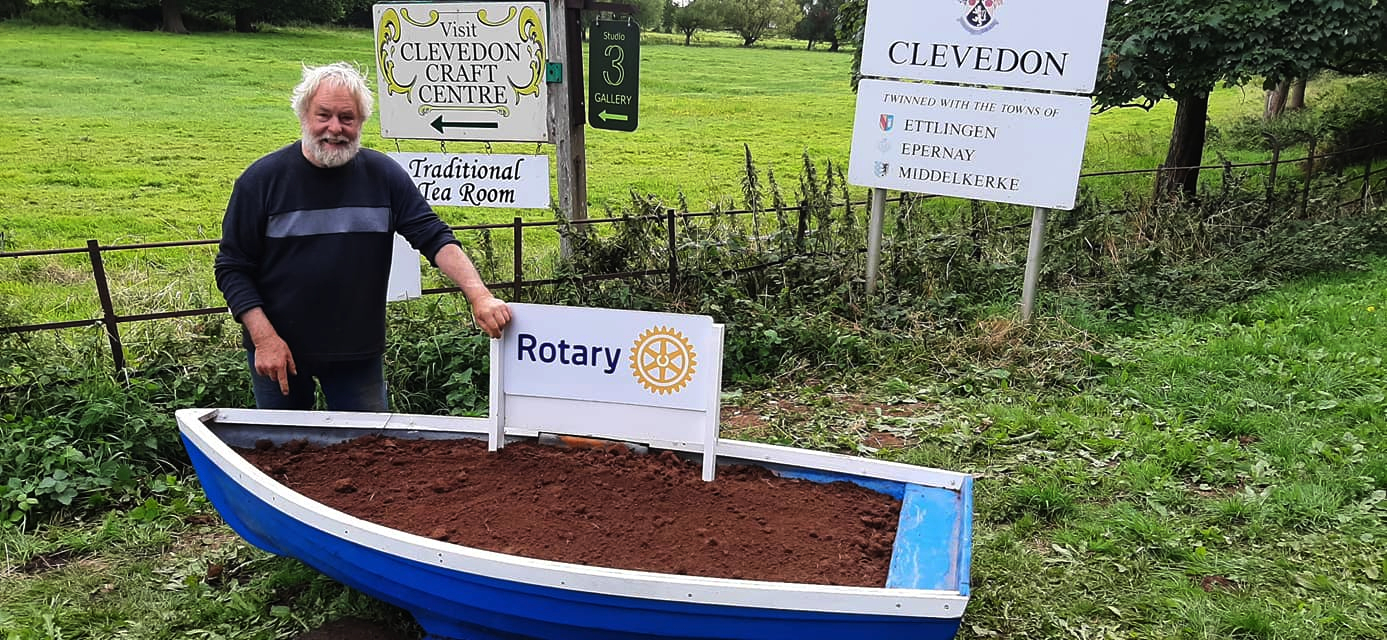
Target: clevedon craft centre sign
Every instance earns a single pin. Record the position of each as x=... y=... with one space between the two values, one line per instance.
x=462 y=70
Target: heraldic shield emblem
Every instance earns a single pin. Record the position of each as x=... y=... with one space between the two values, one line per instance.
x=979 y=15
x=880 y=168
x=887 y=121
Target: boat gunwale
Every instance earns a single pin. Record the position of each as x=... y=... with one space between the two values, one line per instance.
x=627 y=583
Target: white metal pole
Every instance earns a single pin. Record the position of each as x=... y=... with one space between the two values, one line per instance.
x=1033 y=255
x=496 y=436
x=878 y=207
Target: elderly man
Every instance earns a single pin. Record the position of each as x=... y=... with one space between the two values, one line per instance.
x=305 y=253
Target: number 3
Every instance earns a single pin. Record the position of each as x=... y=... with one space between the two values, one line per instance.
x=617 y=54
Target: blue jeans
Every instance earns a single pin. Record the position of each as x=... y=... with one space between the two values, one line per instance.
x=354 y=385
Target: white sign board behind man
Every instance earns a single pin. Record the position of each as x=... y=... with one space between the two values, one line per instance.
x=405 y=282
x=1023 y=44
x=462 y=71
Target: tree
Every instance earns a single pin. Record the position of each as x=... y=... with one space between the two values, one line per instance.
x=850 y=25
x=169 y=14
x=164 y=15
x=694 y=15
x=755 y=19
x=1181 y=49
x=1289 y=95
x=1274 y=103
x=12 y=8
x=819 y=22
x=172 y=12
x=666 y=17
x=246 y=13
x=649 y=13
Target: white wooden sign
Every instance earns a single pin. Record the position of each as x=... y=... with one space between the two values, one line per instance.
x=606 y=355
x=1002 y=146
x=462 y=70
x=405 y=281
x=635 y=376
x=479 y=179
x=1025 y=44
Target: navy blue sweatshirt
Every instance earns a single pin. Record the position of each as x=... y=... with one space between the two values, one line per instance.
x=312 y=247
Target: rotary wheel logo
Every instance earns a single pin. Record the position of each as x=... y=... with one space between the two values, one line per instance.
x=663 y=360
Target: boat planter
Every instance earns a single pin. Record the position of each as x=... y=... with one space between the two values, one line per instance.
x=464 y=593
x=649 y=379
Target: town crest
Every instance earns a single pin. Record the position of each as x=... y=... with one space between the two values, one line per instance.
x=979 y=15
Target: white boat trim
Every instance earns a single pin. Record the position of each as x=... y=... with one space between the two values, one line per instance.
x=911 y=603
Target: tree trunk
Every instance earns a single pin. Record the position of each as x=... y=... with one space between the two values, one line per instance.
x=1276 y=101
x=244 y=20
x=172 y=11
x=833 y=43
x=688 y=35
x=1296 y=100
x=1186 y=148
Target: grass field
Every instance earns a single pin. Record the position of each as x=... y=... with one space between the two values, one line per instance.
x=136 y=137
x=129 y=137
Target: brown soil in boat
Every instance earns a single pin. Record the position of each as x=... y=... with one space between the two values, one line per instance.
x=602 y=507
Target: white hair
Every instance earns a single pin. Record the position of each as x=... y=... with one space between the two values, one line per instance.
x=342 y=74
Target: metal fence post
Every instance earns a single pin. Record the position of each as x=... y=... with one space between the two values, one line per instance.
x=673 y=255
x=108 y=311
x=802 y=226
x=1309 y=174
x=518 y=268
x=1367 y=182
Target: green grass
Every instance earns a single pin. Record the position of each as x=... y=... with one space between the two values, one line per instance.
x=170 y=574
x=1224 y=477
x=127 y=137
x=136 y=137
x=1225 y=480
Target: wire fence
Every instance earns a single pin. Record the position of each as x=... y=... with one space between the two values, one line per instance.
x=111 y=320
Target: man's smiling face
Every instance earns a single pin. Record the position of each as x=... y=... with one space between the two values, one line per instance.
x=331 y=127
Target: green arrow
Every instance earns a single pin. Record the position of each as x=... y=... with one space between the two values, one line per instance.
x=439 y=124
x=619 y=117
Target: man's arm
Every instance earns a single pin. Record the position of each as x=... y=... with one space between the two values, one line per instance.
x=237 y=264
x=491 y=314
x=272 y=356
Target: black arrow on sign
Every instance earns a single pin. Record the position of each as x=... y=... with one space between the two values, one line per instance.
x=439 y=124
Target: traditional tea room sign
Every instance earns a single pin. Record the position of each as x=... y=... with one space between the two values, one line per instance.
x=462 y=71
x=606 y=355
x=509 y=181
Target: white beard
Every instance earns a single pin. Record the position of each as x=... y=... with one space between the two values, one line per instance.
x=325 y=155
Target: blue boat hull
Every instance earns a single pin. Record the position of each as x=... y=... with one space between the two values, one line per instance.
x=457 y=604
